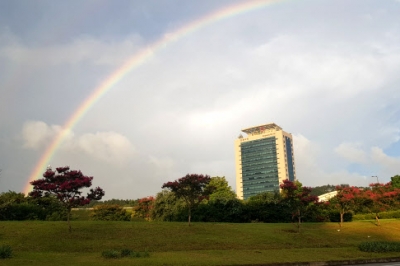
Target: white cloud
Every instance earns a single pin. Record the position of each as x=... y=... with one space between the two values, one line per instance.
x=110 y=147
x=310 y=170
x=107 y=146
x=389 y=166
x=352 y=152
x=37 y=134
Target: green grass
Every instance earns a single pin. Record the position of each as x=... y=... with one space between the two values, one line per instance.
x=49 y=243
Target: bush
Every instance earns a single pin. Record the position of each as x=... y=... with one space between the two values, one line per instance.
x=15 y=206
x=110 y=254
x=382 y=215
x=380 y=247
x=114 y=254
x=5 y=252
x=110 y=213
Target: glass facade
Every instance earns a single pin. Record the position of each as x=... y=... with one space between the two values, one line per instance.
x=289 y=157
x=259 y=166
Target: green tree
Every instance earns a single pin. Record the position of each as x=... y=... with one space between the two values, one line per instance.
x=166 y=206
x=15 y=206
x=191 y=188
x=218 y=188
x=395 y=181
x=267 y=207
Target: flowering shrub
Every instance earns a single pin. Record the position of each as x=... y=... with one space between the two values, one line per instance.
x=144 y=207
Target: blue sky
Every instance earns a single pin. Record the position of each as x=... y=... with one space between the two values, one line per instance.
x=326 y=71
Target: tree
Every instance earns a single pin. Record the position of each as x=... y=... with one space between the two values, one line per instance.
x=144 y=207
x=167 y=207
x=345 y=199
x=382 y=197
x=65 y=185
x=395 y=181
x=191 y=188
x=298 y=198
x=218 y=188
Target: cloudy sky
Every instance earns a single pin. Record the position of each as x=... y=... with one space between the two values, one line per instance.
x=327 y=71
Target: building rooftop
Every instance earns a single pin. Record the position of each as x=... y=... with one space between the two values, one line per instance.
x=260 y=128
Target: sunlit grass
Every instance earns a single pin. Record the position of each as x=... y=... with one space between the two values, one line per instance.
x=50 y=243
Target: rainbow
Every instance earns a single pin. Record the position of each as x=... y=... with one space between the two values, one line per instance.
x=134 y=62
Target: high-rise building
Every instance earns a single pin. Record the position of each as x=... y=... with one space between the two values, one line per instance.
x=264 y=158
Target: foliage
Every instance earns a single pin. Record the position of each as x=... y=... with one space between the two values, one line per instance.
x=144 y=207
x=191 y=188
x=167 y=207
x=382 y=215
x=5 y=252
x=380 y=246
x=267 y=207
x=66 y=186
x=220 y=210
x=218 y=188
x=15 y=206
x=298 y=199
x=110 y=213
x=395 y=181
x=345 y=200
x=375 y=199
x=120 y=202
x=382 y=197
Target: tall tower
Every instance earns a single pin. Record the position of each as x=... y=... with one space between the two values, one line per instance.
x=264 y=158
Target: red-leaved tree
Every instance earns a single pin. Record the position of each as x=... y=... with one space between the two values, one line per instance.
x=191 y=188
x=382 y=197
x=65 y=185
x=298 y=198
x=144 y=207
x=346 y=199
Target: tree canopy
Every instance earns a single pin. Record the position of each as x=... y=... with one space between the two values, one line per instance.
x=66 y=186
x=191 y=188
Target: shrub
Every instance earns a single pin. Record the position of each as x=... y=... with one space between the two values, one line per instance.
x=126 y=252
x=380 y=246
x=110 y=254
x=110 y=213
x=114 y=254
x=381 y=215
x=5 y=252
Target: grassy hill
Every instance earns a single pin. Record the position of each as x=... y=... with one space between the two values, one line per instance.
x=49 y=243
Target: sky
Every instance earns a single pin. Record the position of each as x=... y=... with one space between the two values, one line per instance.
x=327 y=71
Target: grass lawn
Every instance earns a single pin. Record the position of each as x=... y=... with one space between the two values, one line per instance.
x=50 y=243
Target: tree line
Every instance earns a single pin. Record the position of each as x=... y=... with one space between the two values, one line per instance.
x=198 y=198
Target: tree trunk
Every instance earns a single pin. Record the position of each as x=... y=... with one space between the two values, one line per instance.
x=68 y=220
x=190 y=214
x=377 y=219
x=341 y=218
x=299 y=221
